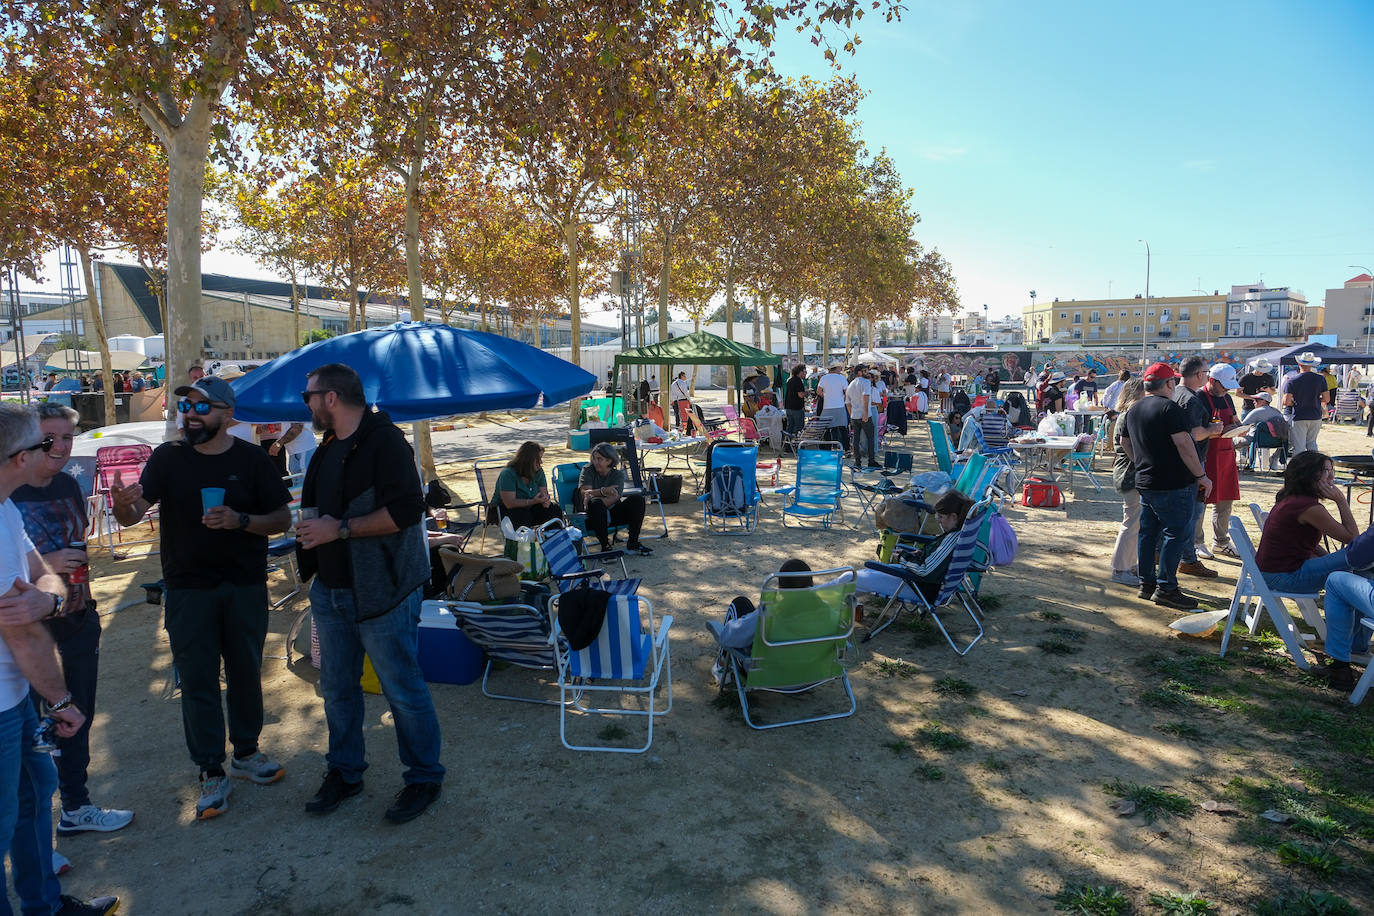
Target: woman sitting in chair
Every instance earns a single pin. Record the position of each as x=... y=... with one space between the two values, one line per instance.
x=1290 y=553
x=522 y=489
x=951 y=511
x=602 y=486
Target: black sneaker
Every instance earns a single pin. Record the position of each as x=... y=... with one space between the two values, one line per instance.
x=412 y=801
x=96 y=906
x=1147 y=591
x=1175 y=599
x=333 y=791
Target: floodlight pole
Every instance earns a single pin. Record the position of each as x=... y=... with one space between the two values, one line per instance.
x=1145 y=316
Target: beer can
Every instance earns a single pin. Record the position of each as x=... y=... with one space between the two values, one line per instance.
x=82 y=574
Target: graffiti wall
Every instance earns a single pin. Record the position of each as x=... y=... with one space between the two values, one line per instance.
x=1014 y=363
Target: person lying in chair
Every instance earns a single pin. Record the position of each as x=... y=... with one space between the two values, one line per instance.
x=951 y=510
x=602 y=486
x=741 y=617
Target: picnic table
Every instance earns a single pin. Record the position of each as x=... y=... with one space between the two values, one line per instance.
x=685 y=449
x=1051 y=450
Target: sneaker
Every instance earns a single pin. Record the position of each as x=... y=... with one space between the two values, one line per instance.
x=1225 y=550
x=1197 y=569
x=96 y=906
x=60 y=863
x=1147 y=590
x=1175 y=599
x=89 y=817
x=1338 y=675
x=214 y=797
x=412 y=801
x=333 y=791
x=257 y=768
x=639 y=549
x=1125 y=577
x=1202 y=552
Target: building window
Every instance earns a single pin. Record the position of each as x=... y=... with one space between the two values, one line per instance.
x=1095 y=317
x=1249 y=330
x=1183 y=331
x=1216 y=327
x=1273 y=328
x=1137 y=314
x=1077 y=317
x=1063 y=315
x=1235 y=328
x=1136 y=329
x=1185 y=316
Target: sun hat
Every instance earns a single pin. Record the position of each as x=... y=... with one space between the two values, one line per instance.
x=1261 y=364
x=1262 y=396
x=1307 y=358
x=1159 y=372
x=1226 y=374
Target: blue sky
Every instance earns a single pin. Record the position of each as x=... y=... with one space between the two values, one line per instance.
x=1043 y=140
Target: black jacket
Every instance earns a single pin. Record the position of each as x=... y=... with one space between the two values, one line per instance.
x=379 y=472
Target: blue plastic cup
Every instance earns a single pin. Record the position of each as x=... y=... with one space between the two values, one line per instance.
x=210 y=497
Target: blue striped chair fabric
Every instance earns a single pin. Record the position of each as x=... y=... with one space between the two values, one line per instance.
x=620 y=651
x=819 y=485
x=567 y=569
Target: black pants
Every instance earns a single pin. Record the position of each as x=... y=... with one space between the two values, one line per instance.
x=627 y=511
x=78 y=645
x=532 y=516
x=205 y=625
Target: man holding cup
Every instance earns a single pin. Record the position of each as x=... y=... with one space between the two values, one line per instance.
x=221 y=497
x=54 y=512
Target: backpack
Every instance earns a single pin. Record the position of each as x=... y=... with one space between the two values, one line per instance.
x=727 y=490
x=1001 y=541
x=961 y=403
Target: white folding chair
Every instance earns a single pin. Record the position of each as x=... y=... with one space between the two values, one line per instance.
x=1311 y=614
x=1254 y=597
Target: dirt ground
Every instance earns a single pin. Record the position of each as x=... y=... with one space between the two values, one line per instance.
x=961 y=785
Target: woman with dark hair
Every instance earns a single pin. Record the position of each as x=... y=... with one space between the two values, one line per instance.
x=602 y=485
x=523 y=489
x=1290 y=553
x=794 y=400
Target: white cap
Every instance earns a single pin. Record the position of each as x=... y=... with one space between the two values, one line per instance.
x=1262 y=396
x=1225 y=374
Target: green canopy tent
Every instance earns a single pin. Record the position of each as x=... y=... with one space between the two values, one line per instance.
x=697 y=349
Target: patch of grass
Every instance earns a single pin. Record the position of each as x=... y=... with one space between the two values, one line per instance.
x=895 y=667
x=1171 y=694
x=1185 y=730
x=1053 y=616
x=1090 y=900
x=928 y=772
x=1319 y=827
x=898 y=747
x=923 y=632
x=1319 y=859
x=1268 y=662
x=1190 y=904
x=994 y=765
x=1150 y=802
x=955 y=687
x=941 y=738
x=1069 y=633
x=1304 y=903
x=612 y=732
x=1186 y=664
x=990 y=602
x=1057 y=647
x=1268 y=640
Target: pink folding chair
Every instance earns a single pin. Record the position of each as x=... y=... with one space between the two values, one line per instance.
x=120 y=465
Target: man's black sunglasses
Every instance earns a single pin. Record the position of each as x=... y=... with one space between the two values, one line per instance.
x=45 y=444
x=307 y=395
x=200 y=408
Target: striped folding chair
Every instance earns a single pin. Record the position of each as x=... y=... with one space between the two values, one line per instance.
x=627 y=663
x=568 y=569
x=512 y=634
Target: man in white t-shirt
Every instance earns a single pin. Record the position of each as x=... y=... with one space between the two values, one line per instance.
x=29 y=673
x=830 y=390
x=680 y=396
x=858 y=398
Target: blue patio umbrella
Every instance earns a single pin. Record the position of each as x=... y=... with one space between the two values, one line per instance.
x=416 y=371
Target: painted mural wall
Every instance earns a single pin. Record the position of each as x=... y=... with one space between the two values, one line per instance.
x=1014 y=363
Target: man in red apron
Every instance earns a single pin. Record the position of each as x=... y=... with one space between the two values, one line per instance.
x=1221 y=462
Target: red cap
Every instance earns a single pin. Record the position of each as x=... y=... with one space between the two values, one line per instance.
x=1159 y=372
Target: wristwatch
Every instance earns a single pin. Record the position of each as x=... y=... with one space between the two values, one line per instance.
x=245 y=520
x=343 y=529
x=56 y=606
x=60 y=705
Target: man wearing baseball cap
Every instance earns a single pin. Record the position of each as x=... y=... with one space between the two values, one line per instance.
x=1305 y=394
x=1259 y=378
x=220 y=499
x=1158 y=439
x=1264 y=413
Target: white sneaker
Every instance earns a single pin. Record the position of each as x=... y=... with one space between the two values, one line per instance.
x=89 y=817
x=1203 y=553
x=60 y=863
x=1126 y=577
x=1225 y=550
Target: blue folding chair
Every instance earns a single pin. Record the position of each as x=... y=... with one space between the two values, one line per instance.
x=818 y=488
x=568 y=569
x=943 y=448
x=730 y=503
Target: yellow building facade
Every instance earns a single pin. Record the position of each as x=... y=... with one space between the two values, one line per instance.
x=1158 y=320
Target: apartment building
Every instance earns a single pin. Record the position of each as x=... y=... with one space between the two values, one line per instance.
x=1349 y=312
x=1159 y=319
x=1257 y=312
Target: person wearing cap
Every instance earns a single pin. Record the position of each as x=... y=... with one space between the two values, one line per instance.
x=220 y=498
x=1305 y=394
x=830 y=392
x=1193 y=379
x=1259 y=378
x=1052 y=394
x=1220 y=464
x=1264 y=413
x=858 y=398
x=1157 y=438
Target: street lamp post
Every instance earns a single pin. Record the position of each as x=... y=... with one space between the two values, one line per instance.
x=986 y=334
x=1369 y=312
x=1145 y=317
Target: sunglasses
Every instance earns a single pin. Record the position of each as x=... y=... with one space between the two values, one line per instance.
x=199 y=408
x=45 y=444
x=308 y=394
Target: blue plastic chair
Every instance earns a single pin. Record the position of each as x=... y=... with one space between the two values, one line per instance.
x=944 y=449
x=819 y=486
x=722 y=515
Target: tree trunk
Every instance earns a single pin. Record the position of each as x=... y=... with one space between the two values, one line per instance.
x=664 y=277
x=825 y=336
x=757 y=329
x=732 y=373
x=102 y=340
x=767 y=326
x=569 y=228
x=424 y=444
x=295 y=310
x=188 y=147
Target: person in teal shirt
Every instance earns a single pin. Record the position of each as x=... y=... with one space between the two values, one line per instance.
x=522 y=489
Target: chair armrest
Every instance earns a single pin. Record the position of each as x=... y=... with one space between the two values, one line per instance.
x=604 y=555
x=665 y=623
x=783 y=491
x=571 y=577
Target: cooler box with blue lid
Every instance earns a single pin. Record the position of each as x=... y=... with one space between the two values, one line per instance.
x=447 y=656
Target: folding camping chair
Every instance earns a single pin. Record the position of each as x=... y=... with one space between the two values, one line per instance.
x=627 y=662
x=1254 y=598
x=122 y=465
x=959 y=551
x=730 y=503
x=568 y=569
x=486 y=470
x=943 y=448
x=869 y=493
x=818 y=488
x=813 y=431
x=508 y=634
x=802 y=640
x=1263 y=437
x=1082 y=461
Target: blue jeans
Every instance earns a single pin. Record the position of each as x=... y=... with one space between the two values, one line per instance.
x=28 y=779
x=1348 y=598
x=1166 y=522
x=392 y=643
x=1310 y=576
x=1189 y=552
x=297 y=463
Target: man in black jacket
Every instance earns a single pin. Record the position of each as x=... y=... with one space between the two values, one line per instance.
x=366 y=550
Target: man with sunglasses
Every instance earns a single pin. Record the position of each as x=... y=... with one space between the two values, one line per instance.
x=29 y=593
x=367 y=553
x=221 y=497
x=54 y=511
